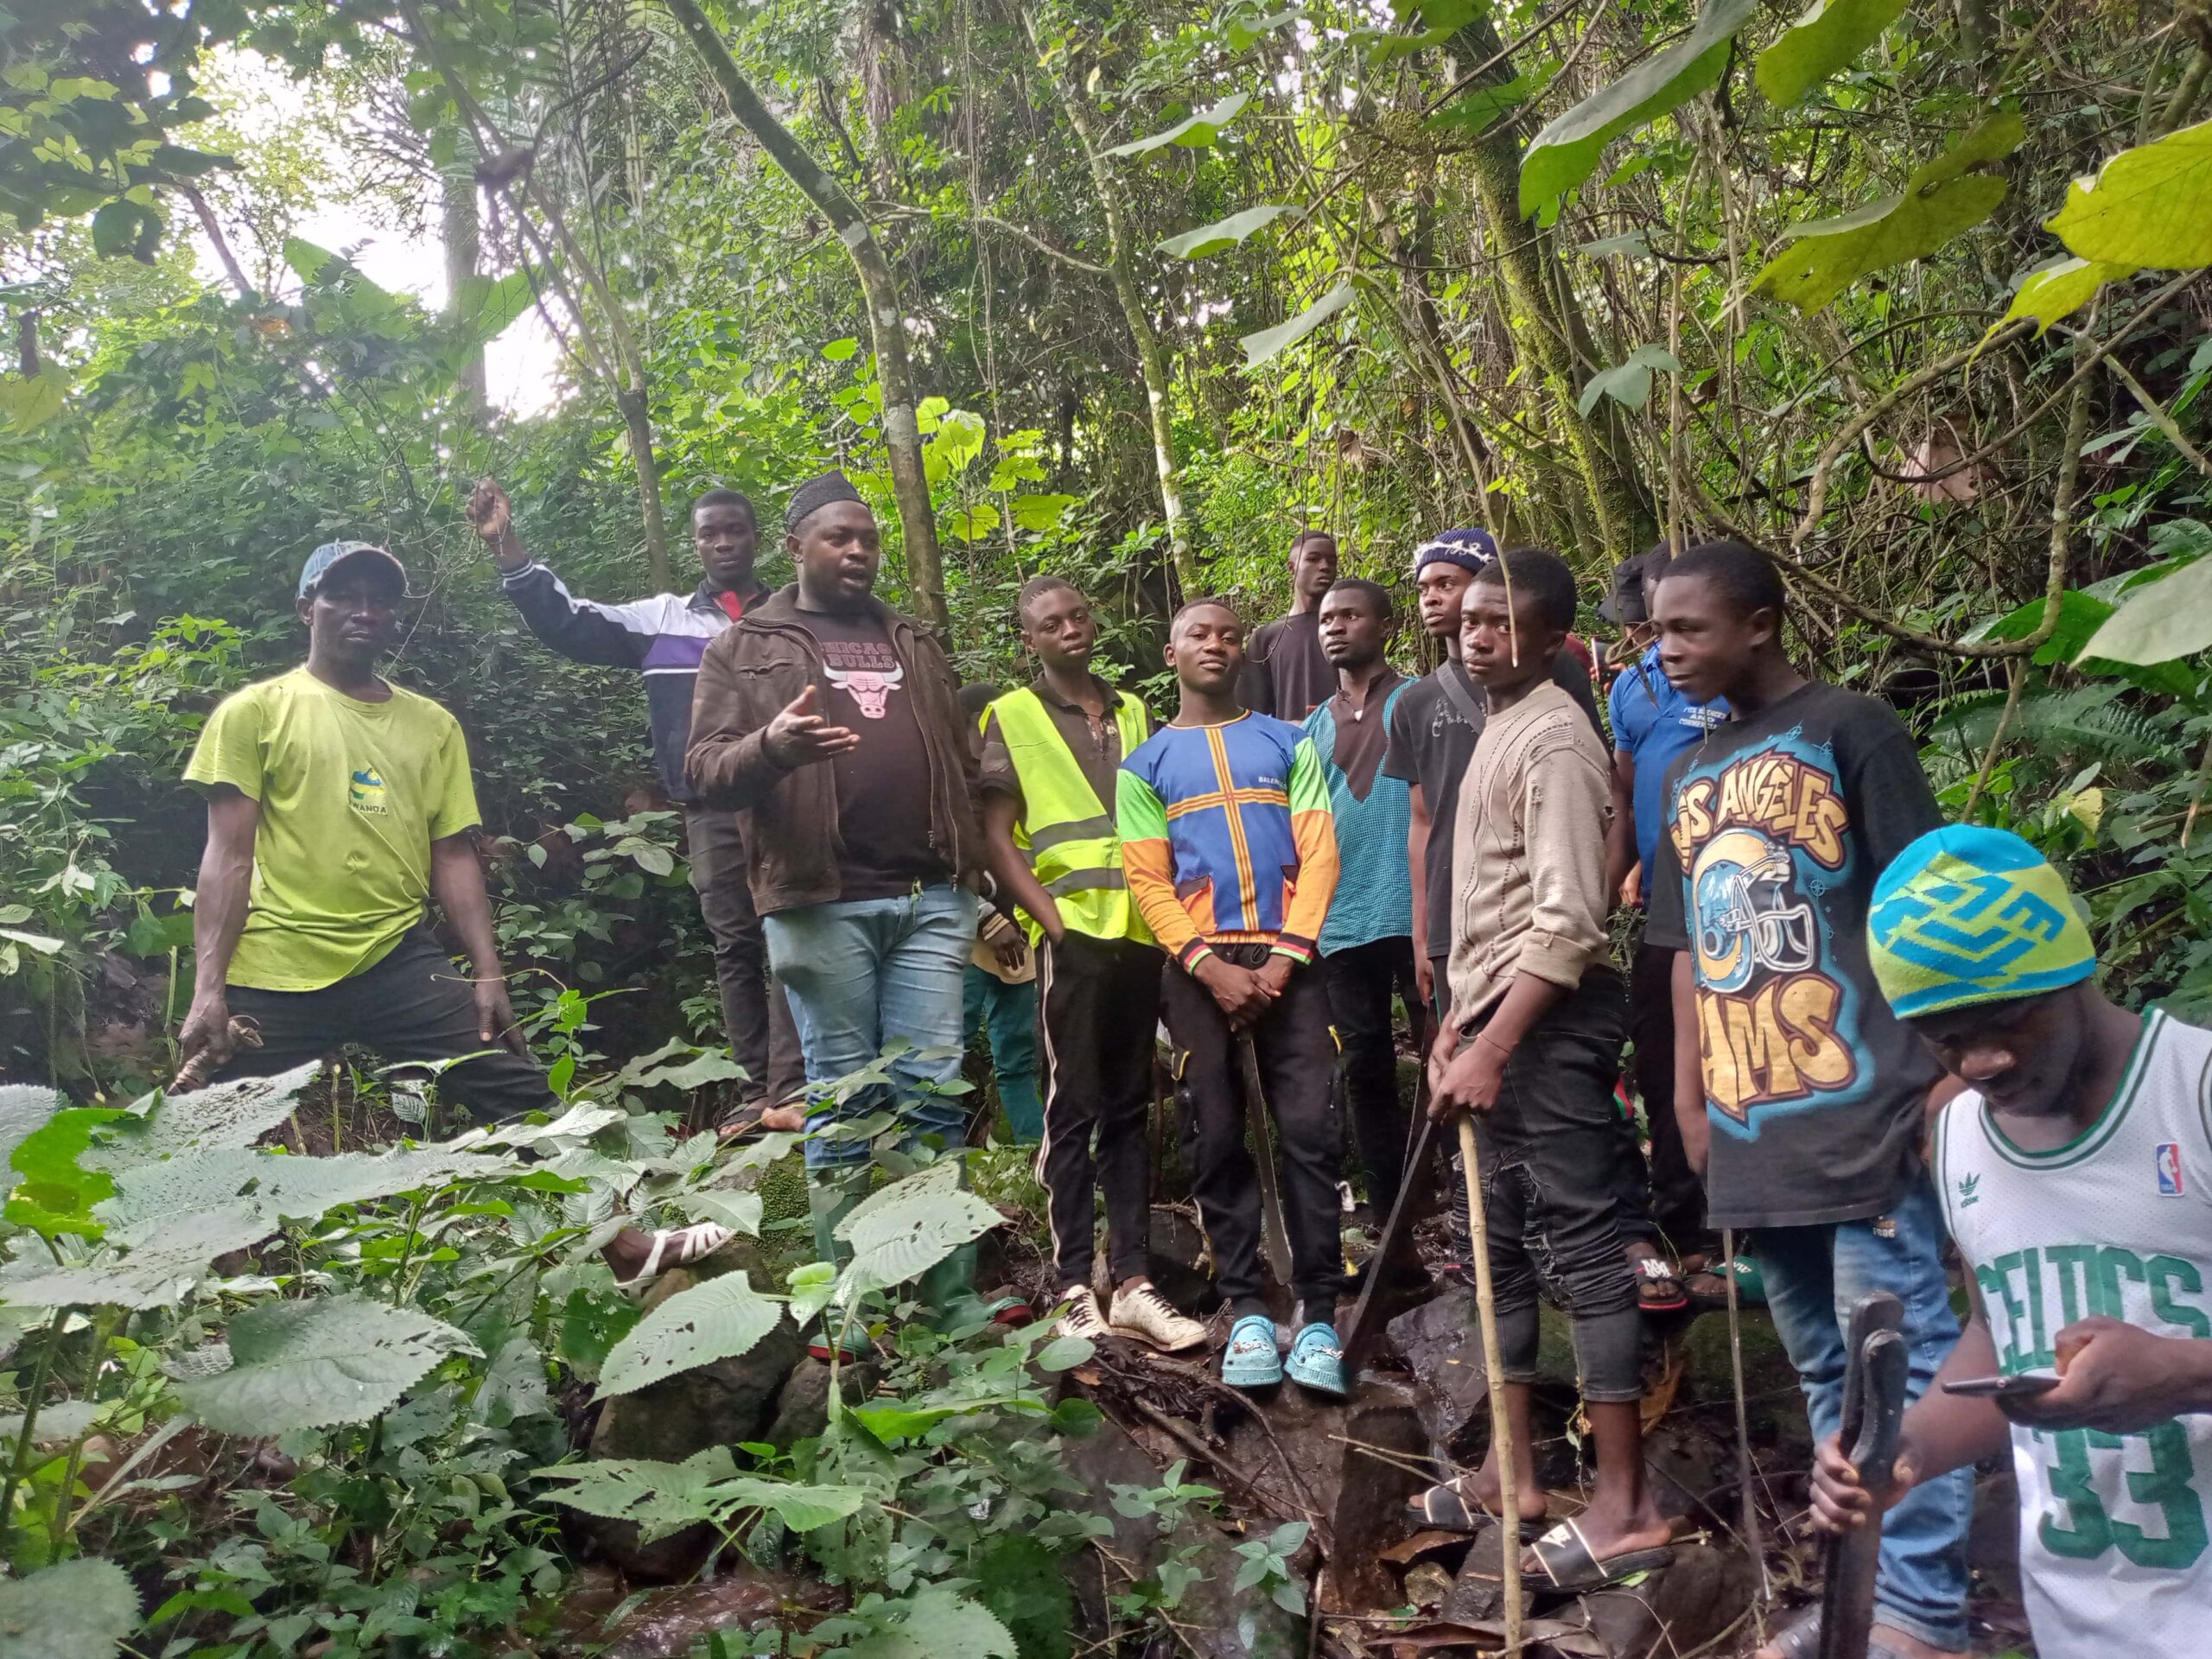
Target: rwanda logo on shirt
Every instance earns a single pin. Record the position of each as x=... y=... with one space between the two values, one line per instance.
x=367 y=792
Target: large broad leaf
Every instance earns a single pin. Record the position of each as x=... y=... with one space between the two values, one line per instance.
x=936 y=1623
x=484 y=306
x=266 y=1188
x=1829 y=35
x=80 y=1609
x=1566 y=153
x=30 y=403
x=658 y=1498
x=1272 y=342
x=803 y=1508
x=309 y=1365
x=719 y=1319
x=234 y=1114
x=2052 y=292
x=906 y=1239
x=24 y=1108
x=2080 y=616
x=2157 y=623
x=1223 y=234
x=1193 y=131
x=2149 y=206
x=1628 y=383
x=153 y=1276
x=1941 y=199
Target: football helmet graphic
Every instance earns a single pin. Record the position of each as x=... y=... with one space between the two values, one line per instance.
x=1749 y=916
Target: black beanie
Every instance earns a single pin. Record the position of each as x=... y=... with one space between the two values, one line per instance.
x=815 y=495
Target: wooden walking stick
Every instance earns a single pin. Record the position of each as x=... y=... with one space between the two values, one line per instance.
x=1501 y=1429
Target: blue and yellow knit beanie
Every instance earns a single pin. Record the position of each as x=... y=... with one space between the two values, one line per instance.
x=1967 y=915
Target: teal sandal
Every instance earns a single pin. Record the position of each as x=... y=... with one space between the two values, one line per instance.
x=1252 y=1360
x=1317 y=1362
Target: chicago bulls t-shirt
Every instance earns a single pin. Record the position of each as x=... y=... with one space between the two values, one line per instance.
x=883 y=786
x=1776 y=825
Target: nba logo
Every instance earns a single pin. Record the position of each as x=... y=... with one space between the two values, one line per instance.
x=2169 y=1156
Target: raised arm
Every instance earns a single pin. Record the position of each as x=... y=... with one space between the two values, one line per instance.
x=583 y=630
x=218 y=919
x=457 y=883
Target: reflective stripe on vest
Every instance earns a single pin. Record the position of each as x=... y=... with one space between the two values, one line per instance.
x=1066 y=833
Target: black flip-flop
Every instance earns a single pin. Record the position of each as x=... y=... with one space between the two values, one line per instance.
x=1566 y=1565
x=1443 y=1508
x=1652 y=1272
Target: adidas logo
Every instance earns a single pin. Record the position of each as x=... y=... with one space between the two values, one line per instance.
x=1967 y=1194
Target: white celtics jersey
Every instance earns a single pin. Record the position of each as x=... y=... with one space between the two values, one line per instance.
x=2114 y=1554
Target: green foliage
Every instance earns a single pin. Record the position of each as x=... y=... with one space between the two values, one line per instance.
x=1941 y=199
x=1567 y=151
x=77 y=1609
x=1222 y=234
x=1828 y=36
x=1270 y=343
x=288 y=1365
x=1197 y=130
x=2149 y=206
x=720 y=1318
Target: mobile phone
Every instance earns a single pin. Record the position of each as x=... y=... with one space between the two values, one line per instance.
x=2024 y=1386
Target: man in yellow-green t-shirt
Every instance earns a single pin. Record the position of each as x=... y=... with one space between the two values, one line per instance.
x=337 y=805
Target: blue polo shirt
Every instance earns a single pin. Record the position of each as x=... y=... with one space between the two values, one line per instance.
x=1652 y=724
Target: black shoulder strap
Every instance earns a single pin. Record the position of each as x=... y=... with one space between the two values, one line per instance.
x=1453 y=679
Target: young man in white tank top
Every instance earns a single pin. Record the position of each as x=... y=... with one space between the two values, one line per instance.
x=2076 y=1173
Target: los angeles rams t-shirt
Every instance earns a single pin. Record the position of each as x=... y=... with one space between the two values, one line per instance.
x=352 y=796
x=1777 y=826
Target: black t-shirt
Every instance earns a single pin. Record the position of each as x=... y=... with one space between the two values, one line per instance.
x=1814 y=1090
x=1431 y=740
x=1285 y=673
x=883 y=786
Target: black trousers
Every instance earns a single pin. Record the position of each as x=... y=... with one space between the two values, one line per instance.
x=1631 y=1180
x=414 y=1005
x=1297 y=1054
x=755 y=1016
x=1549 y=1188
x=1677 y=1197
x=1098 y=1006
x=1362 y=981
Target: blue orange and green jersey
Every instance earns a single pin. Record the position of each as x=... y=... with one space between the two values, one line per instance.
x=1227 y=837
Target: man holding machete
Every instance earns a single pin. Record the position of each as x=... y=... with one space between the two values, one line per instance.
x=1232 y=857
x=2073 y=1176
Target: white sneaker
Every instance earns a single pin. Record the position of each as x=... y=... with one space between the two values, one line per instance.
x=1083 y=1317
x=1144 y=1313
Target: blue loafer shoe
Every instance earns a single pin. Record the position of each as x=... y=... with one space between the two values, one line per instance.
x=1251 y=1360
x=1317 y=1362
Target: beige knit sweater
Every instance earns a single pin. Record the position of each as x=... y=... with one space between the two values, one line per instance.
x=1529 y=852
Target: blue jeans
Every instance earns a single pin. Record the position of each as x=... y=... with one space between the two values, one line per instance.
x=862 y=973
x=1008 y=1016
x=1815 y=1276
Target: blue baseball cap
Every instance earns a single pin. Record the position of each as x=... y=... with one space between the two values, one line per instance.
x=331 y=555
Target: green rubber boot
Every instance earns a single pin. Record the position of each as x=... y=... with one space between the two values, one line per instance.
x=949 y=1291
x=829 y=1198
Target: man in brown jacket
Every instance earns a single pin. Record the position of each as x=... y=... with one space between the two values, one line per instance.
x=830 y=724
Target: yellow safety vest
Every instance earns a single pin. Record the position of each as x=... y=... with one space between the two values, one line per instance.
x=1065 y=831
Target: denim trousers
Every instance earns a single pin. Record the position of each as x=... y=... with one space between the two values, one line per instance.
x=1006 y=1017
x=863 y=973
x=1815 y=1276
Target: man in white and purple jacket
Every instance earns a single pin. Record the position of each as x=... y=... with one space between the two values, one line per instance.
x=663 y=636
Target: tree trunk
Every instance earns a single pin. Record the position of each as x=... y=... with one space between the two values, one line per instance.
x=626 y=372
x=1542 y=334
x=878 y=289
x=463 y=236
x=1152 y=361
